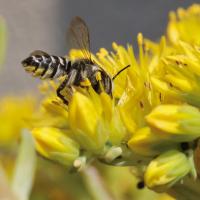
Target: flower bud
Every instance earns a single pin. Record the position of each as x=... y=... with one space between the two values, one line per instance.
x=180 y=120
x=166 y=170
x=117 y=130
x=85 y=122
x=150 y=143
x=53 y=144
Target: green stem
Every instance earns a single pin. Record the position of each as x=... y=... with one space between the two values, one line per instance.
x=95 y=184
x=25 y=167
x=188 y=190
x=123 y=156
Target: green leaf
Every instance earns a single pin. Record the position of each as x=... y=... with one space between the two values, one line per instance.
x=25 y=167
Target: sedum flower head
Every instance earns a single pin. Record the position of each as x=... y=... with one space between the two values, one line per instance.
x=180 y=76
x=185 y=25
x=153 y=111
x=91 y=120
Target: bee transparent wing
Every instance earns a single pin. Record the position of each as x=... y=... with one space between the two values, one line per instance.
x=78 y=37
x=39 y=52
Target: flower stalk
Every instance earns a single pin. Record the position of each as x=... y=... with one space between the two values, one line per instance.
x=95 y=184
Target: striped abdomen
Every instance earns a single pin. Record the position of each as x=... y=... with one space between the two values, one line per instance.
x=45 y=66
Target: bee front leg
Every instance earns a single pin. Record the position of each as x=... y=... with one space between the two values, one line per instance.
x=67 y=83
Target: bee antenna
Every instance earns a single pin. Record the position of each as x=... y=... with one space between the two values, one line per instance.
x=113 y=78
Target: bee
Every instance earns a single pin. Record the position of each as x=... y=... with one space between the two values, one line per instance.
x=82 y=72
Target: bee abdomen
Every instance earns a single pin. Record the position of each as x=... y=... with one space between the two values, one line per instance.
x=46 y=66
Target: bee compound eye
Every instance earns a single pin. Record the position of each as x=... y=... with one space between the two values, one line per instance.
x=26 y=62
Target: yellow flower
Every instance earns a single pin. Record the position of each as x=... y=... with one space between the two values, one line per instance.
x=185 y=25
x=182 y=74
x=180 y=120
x=117 y=130
x=52 y=113
x=91 y=119
x=54 y=144
x=166 y=170
x=14 y=112
x=88 y=120
x=83 y=120
x=82 y=114
x=143 y=92
x=149 y=142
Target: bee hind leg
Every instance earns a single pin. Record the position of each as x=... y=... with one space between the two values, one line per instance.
x=67 y=83
x=59 y=90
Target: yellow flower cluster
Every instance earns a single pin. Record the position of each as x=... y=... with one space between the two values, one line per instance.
x=14 y=115
x=153 y=120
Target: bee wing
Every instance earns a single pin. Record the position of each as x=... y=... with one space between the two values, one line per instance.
x=78 y=37
x=39 y=52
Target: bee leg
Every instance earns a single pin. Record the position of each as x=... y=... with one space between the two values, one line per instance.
x=99 y=87
x=60 y=88
x=85 y=83
x=68 y=82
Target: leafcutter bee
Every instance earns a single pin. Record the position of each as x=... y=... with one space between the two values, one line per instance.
x=82 y=72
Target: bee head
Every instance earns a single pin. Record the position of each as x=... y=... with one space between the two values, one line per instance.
x=107 y=83
x=27 y=62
